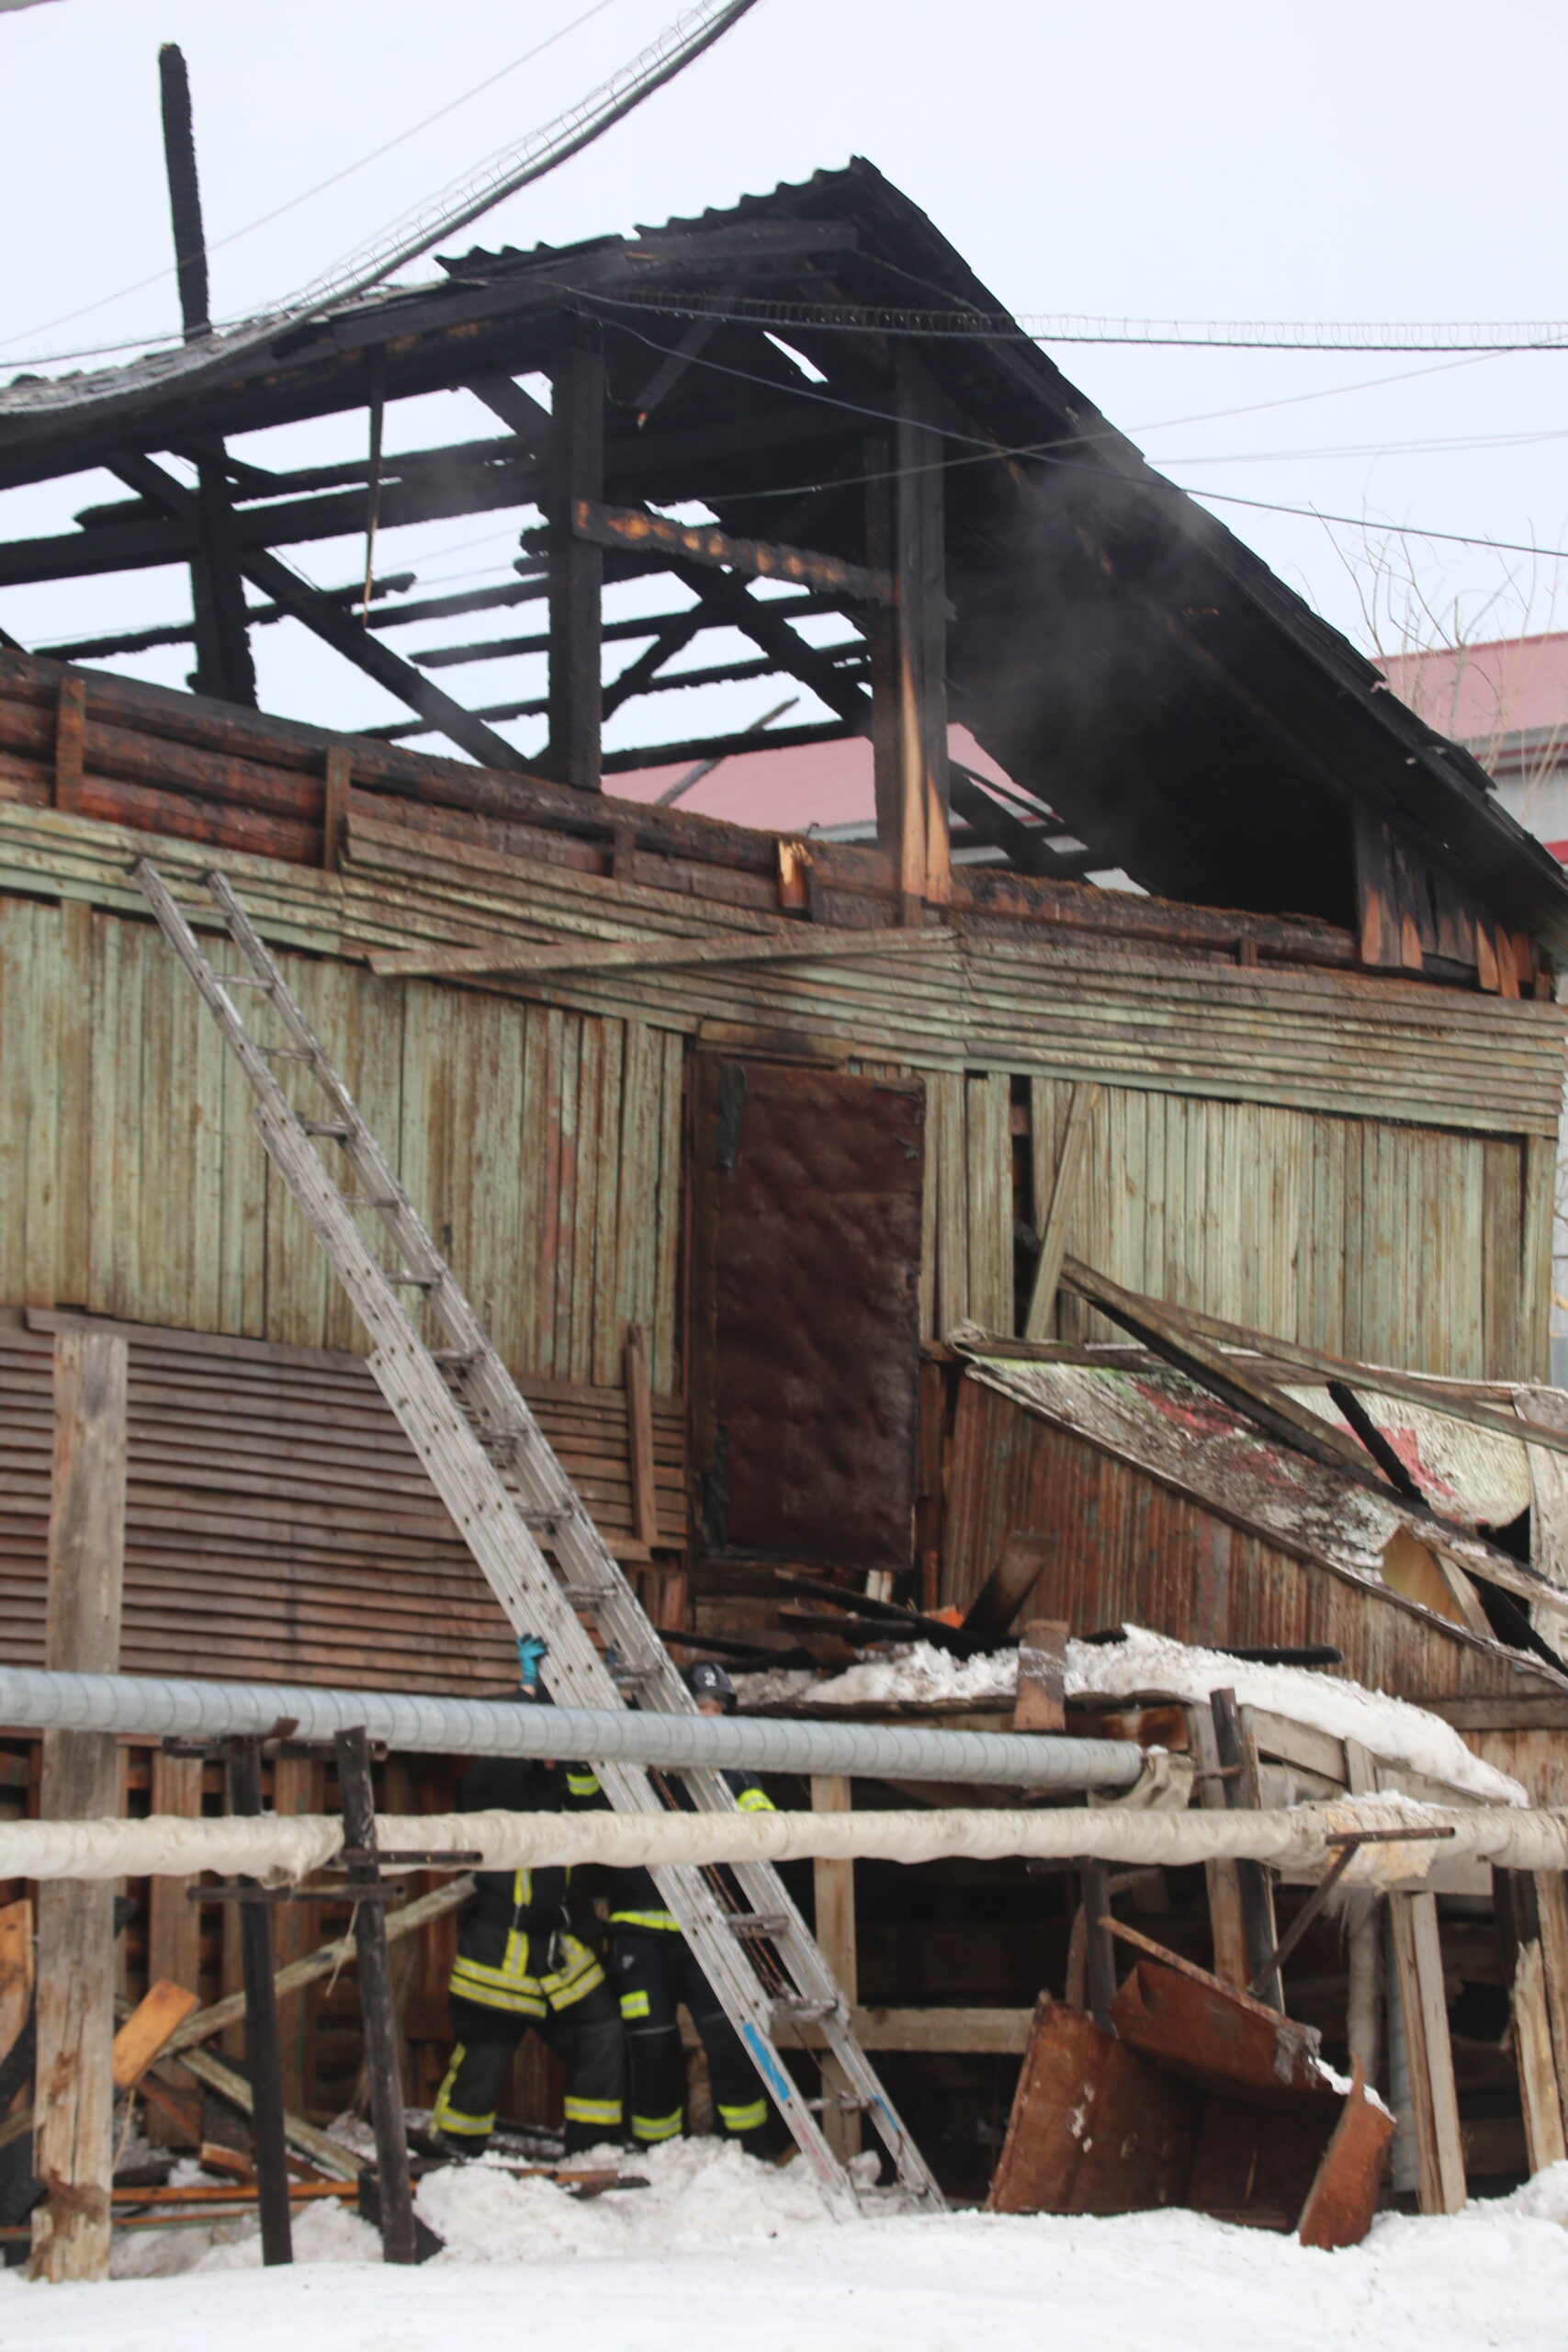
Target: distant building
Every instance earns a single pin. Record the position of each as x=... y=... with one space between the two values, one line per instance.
x=1507 y=703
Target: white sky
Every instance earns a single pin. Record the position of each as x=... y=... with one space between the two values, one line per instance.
x=1227 y=161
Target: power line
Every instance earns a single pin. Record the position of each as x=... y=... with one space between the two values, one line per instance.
x=264 y=219
x=1163 y=334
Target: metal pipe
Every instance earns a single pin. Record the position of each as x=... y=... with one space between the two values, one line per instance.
x=161 y=1707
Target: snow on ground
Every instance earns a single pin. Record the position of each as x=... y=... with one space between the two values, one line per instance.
x=1143 y=1661
x=722 y=2249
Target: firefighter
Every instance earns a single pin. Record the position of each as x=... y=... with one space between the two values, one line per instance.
x=653 y=1972
x=518 y=1965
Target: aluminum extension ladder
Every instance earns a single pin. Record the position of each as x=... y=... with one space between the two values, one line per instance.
x=509 y=1496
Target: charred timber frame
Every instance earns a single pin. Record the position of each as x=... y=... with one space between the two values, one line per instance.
x=576 y=561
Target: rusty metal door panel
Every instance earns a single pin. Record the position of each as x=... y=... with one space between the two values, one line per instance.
x=806 y=1312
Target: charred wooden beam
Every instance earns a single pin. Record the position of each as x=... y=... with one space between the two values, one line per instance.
x=1025 y=846
x=497 y=649
x=185 y=193
x=142 y=641
x=722 y=747
x=628 y=527
x=907 y=515
x=338 y=629
x=619 y=691
x=577 y=563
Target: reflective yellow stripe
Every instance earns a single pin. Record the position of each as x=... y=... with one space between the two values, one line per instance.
x=483 y=1987
x=582 y=1784
x=755 y=1801
x=663 y=1920
x=634 y=2005
x=444 y=2117
x=591 y=2110
x=522 y=1890
x=744 y=2119
x=656 y=2127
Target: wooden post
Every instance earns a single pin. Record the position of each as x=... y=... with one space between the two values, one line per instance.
x=909 y=660
x=263 y=2059
x=577 y=566
x=834 y=1886
x=1226 y=1931
x=75 y=2095
x=1100 y=1954
x=1237 y=1752
x=1042 y=1676
x=69 y=722
x=1362 y=2008
x=174 y=1925
x=377 y=2004
x=334 y=807
x=1434 y=2104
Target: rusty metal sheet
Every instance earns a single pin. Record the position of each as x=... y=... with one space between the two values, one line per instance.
x=1094 y=2128
x=808 y=1338
x=1218 y=2039
x=1343 y=2194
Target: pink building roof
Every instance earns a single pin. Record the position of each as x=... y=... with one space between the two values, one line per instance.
x=1477 y=692
x=790 y=790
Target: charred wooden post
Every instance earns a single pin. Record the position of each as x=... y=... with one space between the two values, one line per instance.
x=1100 y=1954
x=576 y=563
x=224 y=668
x=907 y=536
x=74 y=2096
x=396 y=2194
x=263 y=2060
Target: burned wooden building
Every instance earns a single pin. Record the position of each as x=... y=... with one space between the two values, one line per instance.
x=743 y=1141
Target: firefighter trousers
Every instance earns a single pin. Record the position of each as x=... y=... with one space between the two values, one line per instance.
x=587 y=2035
x=653 y=1973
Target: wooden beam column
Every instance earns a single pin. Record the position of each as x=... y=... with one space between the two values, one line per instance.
x=74 y=2096
x=1434 y=2102
x=577 y=565
x=905 y=534
x=834 y=1888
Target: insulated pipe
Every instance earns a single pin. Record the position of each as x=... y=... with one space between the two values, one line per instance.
x=1507 y=1837
x=156 y=1707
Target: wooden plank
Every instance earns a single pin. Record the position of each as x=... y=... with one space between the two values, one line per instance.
x=147 y=2027
x=1060 y=1214
x=989 y=1150
x=15 y=1975
x=1227 y=1928
x=1539 y=2093
x=1042 y=1673
x=640 y=1428
x=74 y=2096
x=1238 y=1751
x=1419 y=1964
x=1551 y=1904
x=833 y=1886
x=635 y=528
x=795 y=943
x=334 y=807
x=576 y=473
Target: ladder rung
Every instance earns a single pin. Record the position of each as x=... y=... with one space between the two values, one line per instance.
x=408 y=1281
x=286 y=1053
x=840 y=2103
x=367 y=1201
x=326 y=1127
x=243 y=980
x=795 y=2005
x=756 y=1923
x=454 y=1359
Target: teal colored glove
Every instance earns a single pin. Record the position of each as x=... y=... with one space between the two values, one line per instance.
x=531 y=1654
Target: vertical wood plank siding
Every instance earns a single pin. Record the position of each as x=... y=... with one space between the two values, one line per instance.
x=541 y=1145
x=1124 y=1548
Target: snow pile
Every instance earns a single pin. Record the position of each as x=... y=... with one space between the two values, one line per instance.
x=1146 y=1662
x=323 y=2231
x=1391 y=1728
x=1495 y=2276
x=701 y=2193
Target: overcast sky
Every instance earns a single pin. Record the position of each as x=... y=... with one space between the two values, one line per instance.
x=1348 y=162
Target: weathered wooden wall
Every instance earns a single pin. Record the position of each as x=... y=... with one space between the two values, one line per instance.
x=278 y=1524
x=1400 y=1243
x=543 y=1148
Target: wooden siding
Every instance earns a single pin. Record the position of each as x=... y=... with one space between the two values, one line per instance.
x=1398 y=1244
x=1127 y=1549
x=541 y=1145
x=279 y=1525
x=1051 y=1004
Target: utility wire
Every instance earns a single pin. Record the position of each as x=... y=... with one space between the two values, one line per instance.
x=264 y=219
